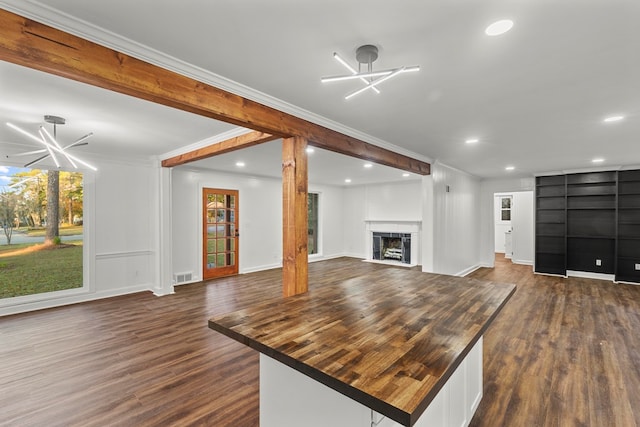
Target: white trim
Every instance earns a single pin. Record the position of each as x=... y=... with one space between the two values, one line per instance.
x=325 y=258
x=352 y=255
x=89 y=230
x=123 y=254
x=522 y=261
x=65 y=22
x=590 y=275
x=624 y=282
x=163 y=262
x=550 y=274
x=184 y=283
x=438 y=163
x=468 y=270
x=310 y=259
x=71 y=299
x=390 y=263
x=260 y=268
x=414 y=228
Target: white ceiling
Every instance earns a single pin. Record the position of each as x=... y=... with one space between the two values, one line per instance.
x=535 y=96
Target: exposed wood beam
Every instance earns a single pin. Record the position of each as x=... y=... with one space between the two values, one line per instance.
x=343 y=144
x=294 y=217
x=232 y=144
x=35 y=45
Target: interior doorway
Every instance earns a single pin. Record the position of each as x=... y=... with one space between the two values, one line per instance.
x=220 y=232
x=513 y=226
x=503 y=204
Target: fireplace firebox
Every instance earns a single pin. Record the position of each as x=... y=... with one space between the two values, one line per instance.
x=392 y=247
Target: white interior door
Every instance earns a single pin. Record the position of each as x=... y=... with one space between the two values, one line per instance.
x=502 y=221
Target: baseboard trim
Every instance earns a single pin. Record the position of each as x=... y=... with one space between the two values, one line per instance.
x=71 y=299
x=522 y=261
x=590 y=275
x=468 y=271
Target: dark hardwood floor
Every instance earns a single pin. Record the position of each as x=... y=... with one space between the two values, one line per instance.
x=563 y=352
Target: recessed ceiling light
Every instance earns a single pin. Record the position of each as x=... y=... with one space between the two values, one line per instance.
x=472 y=140
x=509 y=168
x=310 y=150
x=406 y=175
x=368 y=165
x=597 y=160
x=347 y=180
x=240 y=164
x=499 y=27
x=613 y=119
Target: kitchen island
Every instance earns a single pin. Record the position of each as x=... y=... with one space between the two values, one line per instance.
x=371 y=351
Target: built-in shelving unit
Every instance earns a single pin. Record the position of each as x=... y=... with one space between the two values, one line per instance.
x=589 y=222
x=551 y=224
x=628 y=250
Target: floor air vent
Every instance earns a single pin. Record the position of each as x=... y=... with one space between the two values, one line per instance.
x=182 y=278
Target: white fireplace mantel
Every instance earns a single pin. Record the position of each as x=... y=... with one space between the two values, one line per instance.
x=412 y=227
x=393 y=226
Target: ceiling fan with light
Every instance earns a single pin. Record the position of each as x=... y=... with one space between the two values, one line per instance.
x=366 y=55
x=51 y=144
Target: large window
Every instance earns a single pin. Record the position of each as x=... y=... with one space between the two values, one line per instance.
x=313 y=229
x=36 y=256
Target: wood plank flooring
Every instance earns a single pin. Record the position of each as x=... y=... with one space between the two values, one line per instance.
x=563 y=352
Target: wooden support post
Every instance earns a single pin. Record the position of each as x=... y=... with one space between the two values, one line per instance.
x=294 y=217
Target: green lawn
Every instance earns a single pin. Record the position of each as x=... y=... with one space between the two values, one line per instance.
x=40 y=271
x=65 y=230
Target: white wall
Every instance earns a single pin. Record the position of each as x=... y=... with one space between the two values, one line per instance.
x=486 y=211
x=125 y=227
x=260 y=219
x=354 y=212
x=398 y=201
x=455 y=221
x=120 y=237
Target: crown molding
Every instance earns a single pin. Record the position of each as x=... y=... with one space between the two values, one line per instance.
x=49 y=16
x=438 y=163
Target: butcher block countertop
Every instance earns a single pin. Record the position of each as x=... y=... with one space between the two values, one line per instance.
x=389 y=341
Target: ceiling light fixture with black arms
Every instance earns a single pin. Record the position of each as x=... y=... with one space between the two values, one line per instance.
x=366 y=55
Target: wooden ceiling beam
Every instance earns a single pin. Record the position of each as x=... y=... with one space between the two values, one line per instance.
x=232 y=144
x=32 y=44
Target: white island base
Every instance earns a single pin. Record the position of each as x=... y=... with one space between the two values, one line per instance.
x=289 y=398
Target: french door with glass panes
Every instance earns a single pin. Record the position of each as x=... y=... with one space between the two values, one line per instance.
x=220 y=232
